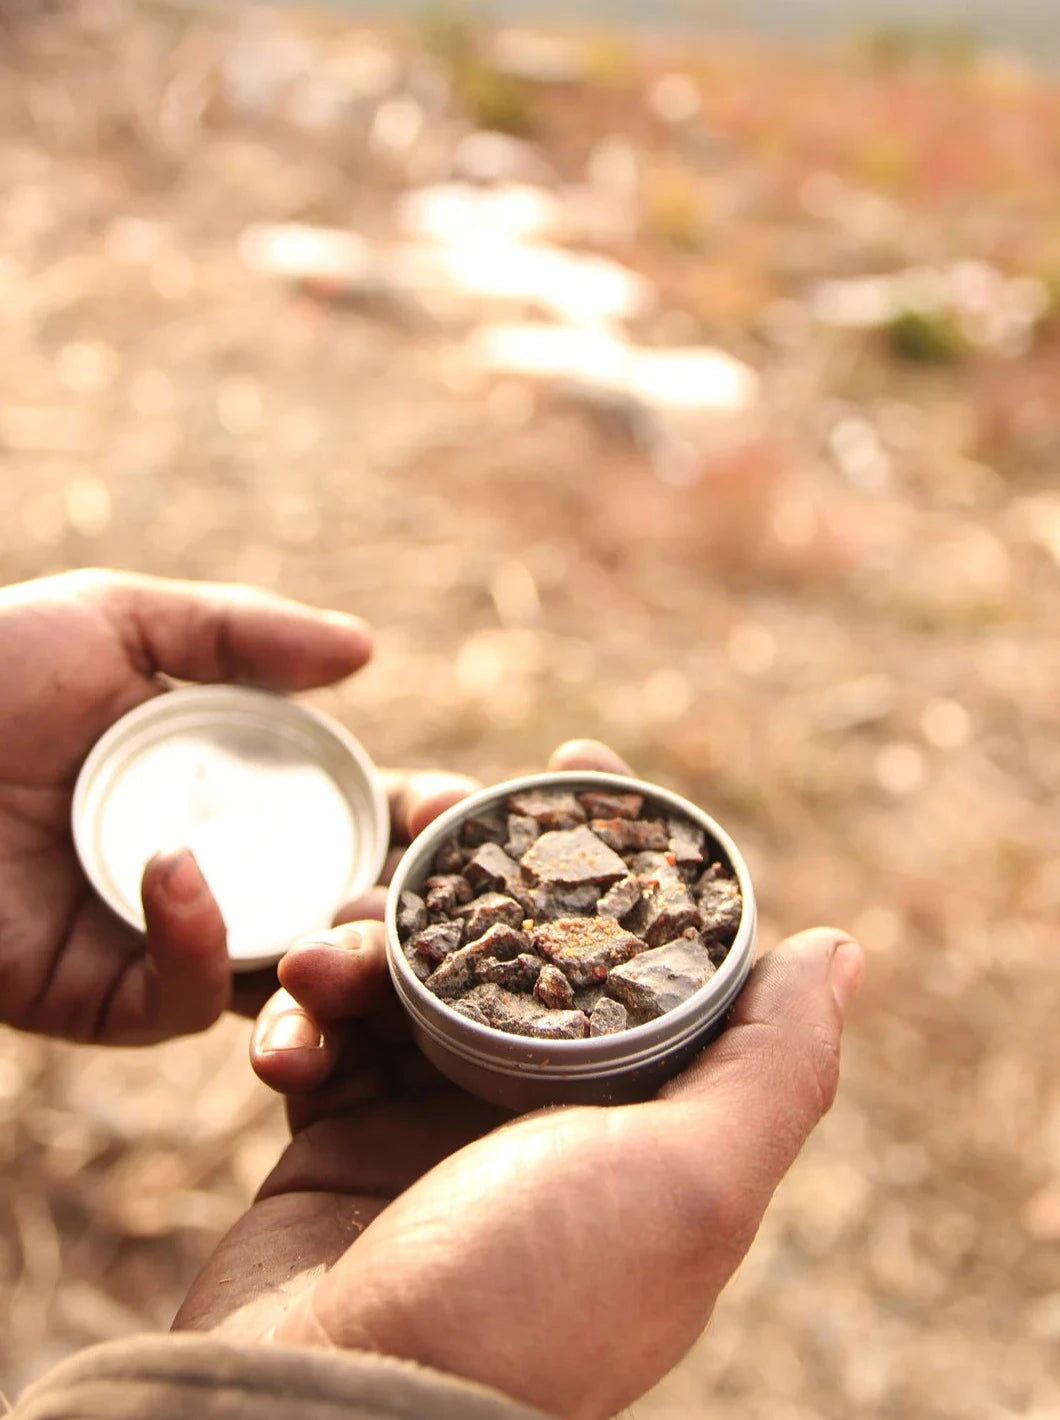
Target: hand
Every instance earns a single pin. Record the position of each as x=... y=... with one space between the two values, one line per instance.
x=79 y=651
x=568 y=1259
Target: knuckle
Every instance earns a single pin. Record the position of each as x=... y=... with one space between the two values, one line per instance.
x=733 y=1222
x=708 y=1211
x=818 y=1067
x=200 y=1014
x=225 y=656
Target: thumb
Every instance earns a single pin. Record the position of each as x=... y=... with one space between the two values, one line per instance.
x=764 y=1085
x=189 y=976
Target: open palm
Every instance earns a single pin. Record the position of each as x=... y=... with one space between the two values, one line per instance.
x=567 y=1259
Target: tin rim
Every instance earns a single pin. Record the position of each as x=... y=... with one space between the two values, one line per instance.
x=502 y=1054
x=286 y=723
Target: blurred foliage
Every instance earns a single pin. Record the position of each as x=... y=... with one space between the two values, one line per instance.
x=449 y=31
x=927 y=338
x=610 y=61
x=901 y=44
x=884 y=160
x=492 y=99
x=673 y=207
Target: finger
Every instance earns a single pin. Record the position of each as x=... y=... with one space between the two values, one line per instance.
x=189 y=978
x=377 y=1059
x=341 y=974
x=370 y=906
x=588 y=754
x=334 y=981
x=390 y=867
x=417 y=797
x=398 y=1140
x=250 y=991
x=776 y=1067
x=289 y=1050
x=209 y=632
x=360 y=1077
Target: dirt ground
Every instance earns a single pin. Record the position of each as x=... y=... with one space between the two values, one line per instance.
x=858 y=673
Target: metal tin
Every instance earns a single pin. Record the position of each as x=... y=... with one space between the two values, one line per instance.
x=523 y=1073
x=281 y=806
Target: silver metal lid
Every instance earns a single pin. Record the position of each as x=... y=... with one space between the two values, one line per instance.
x=281 y=806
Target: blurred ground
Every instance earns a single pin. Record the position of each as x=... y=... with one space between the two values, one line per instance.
x=820 y=597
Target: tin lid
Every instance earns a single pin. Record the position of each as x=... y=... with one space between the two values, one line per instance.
x=281 y=806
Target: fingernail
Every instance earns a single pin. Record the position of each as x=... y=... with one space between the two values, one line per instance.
x=846 y=971
x=339 y=940
x=183 y=881
x=345 y=621
x=292 y=1031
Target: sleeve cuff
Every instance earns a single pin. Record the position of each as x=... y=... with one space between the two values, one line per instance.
x=173 y=1377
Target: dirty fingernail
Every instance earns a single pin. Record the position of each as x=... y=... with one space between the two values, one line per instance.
x=184 y=882
x=292 y=1031
x=339 y=939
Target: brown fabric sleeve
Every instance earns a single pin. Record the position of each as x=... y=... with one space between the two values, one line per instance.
x=177 y=1377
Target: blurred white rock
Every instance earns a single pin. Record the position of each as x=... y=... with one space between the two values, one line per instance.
x=537 y=58
x=675 y=98
x=86 y=366
x=485 y=157
x=695 y=378
x=854 y=704
x=575 y=287
x=604 y=364
x=261 y=63
x=858 y=303
x=88 y=506
x=136 y=240
x=946 y=724
x=1036 y=519
x=899 y=768
x=317 y=104
x=862 y=214
x=462 y=212
x=593 y=359
x=859 y=454
x=397 y=126
x=614 y=168
x=369 y=70
x=295 y=252
x=995 y=311
x=597 y=218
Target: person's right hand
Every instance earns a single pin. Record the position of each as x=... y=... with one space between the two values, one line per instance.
x=80 y=650
x=568 y=1259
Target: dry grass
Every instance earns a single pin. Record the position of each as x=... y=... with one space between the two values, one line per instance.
x=861 y=681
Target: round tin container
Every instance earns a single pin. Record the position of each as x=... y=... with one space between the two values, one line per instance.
x=283 y=809
x=523 y=1073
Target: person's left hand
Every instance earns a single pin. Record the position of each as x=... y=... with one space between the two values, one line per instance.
x=568 y=1259
x=79 y=651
